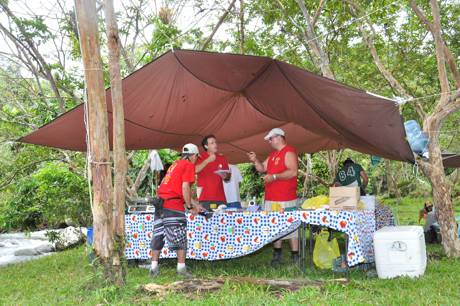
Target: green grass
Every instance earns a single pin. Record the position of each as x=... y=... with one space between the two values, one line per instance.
x=406 y=210
x=66 y=278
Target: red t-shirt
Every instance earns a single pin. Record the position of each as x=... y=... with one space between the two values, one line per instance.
x=171 y=186
x=280 y=190
x=213 y=188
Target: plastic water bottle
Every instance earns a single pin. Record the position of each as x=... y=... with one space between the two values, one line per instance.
x=417 y=139
x=252 y=206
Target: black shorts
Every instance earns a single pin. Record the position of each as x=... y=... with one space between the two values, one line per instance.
x=172 y=226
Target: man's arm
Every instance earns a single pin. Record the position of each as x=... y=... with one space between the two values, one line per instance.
x=204 y=163
x=227 y=176
x=292 y=168
x=364 y=178
x=336 y=182
x=260 y=167
x=187 y=193
x=192 y=205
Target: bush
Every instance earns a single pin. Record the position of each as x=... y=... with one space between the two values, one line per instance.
x=47 y=198
x=252 y=184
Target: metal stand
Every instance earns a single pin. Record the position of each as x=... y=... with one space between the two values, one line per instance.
x=346 y=256
x=303 y=252
x=302 y=247
x=310 y=248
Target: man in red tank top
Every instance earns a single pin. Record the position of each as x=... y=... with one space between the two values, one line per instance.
x=211 y=168
x=280 y=179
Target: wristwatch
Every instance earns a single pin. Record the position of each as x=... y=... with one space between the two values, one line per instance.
x=188 y=206
x=274 y=177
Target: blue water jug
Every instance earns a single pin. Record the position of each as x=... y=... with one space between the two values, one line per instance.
x=89 y=236
x=417 y=139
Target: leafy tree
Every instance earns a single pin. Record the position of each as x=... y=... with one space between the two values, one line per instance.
x=48 y=198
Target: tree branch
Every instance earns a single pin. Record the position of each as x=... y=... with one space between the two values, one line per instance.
x=318 y=12
x=314 y=42
x=140 y=176
x=368 y=38
x=36 y=54
x=219 y=23
x=301 y=37
x=450 y=108
x=128 y=62
x=449 y=57
x=8 y=181
x=440 y=58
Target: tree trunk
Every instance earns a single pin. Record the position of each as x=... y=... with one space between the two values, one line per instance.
x=315 y=43
x=141 y=176
x=442 y=199
x=378 y=185
x=98 y=135
x=219 y=23
x=119 y=148
x=305 y=170
x=432 y=124
x=309 y=171
x=443 y=205
x=242 y=26
x=332 y=161
x=449 y=57
x=391 y=182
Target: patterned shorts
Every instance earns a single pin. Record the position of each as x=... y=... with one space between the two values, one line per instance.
x=285 y=204
x=171 y=225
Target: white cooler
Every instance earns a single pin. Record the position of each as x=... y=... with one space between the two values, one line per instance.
x=400 y=251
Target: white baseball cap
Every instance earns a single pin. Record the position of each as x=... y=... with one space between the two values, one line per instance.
x=274 y=132
x=190 y=148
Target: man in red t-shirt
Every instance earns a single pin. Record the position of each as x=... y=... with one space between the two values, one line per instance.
x=280 y=184
x=212 y=168
x=171 y=224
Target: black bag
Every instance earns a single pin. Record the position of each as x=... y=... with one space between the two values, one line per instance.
x=431 y=235
x=158 y=204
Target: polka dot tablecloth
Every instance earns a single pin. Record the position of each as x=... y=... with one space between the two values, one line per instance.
x=383 y=216
x=236 y=234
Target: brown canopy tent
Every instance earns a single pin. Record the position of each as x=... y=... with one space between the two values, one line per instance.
x=183 y=95
x=450 y=160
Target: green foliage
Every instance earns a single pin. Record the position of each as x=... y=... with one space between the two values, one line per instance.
x=252 y=184
x=48 y=197
x=34 y=28
x=319 y=168
x=69 y=26
x=53 y=236
x=167 y=156
x=165 y=37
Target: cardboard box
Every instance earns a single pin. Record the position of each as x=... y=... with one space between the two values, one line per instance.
x=344 y=198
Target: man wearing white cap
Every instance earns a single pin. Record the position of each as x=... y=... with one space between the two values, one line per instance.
x=280 y=184
x=170 y=223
